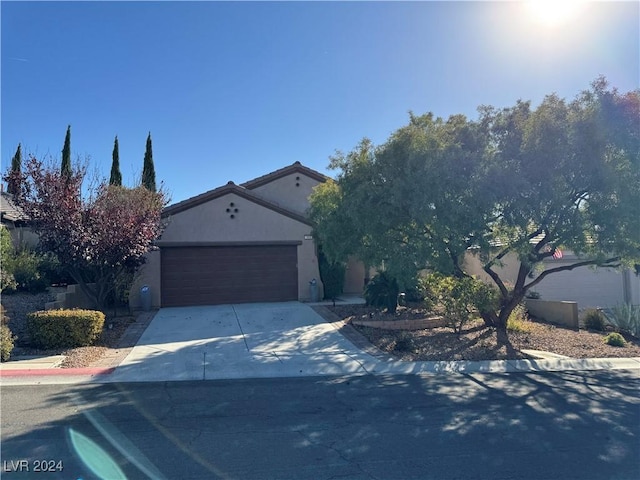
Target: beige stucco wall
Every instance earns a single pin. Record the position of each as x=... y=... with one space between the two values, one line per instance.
x=284 y=192
x=634 y=287
x=210 y=222
x=22 y=236
x=149 y=275
x=354 y=277
x=602 y=287
x=508 y=273
x=559 y=312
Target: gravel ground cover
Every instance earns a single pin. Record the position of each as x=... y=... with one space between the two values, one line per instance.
x=477 y=342
x=18 y=305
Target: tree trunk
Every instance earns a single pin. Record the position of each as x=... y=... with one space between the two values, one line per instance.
x=89 y=292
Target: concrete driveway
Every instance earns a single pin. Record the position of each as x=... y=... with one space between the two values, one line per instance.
x=240 y=341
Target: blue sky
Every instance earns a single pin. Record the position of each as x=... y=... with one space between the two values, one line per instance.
x=231 y=91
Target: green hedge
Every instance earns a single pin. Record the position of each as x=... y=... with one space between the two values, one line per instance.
x=64 y=328
x=6 y=342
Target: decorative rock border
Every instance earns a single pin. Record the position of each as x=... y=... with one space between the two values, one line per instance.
x=417 y=324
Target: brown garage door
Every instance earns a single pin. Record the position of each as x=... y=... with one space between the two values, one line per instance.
x=229 y=274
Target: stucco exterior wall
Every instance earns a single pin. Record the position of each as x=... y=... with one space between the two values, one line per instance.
x=210 y=223
x=354 y=277
x=149 y=275
x=283 y=191
x=508 y=273
x=22 y=236
x=560 y=313
x=601 y=287
x=634 y=287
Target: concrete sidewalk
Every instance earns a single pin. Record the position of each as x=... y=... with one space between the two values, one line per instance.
x=261 y=340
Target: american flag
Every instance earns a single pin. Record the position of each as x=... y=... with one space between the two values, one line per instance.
x=557 y=254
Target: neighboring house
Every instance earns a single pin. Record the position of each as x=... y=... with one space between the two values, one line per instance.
x=16 y=221
x=240 y=243
x=588 y=286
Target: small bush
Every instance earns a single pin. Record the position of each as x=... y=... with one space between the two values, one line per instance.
x=615 y=340
x=64 y=328
x=405 y=343
x=413 y=294
x=51 y=269
x=626 y=318
x=594 y=320
x=6 y=342
x=519 y=321
x=382 y=291
x=8 y=282
x=332 y=276
x=458 y=298
x=26 y=271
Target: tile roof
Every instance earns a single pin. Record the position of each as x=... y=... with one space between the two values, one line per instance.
x=231 y=187
x=9 y=210
x=244 y=190
x=295 y=167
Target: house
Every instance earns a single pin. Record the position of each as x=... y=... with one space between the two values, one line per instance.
x=253 y=242
x=240 y=243
x=589 y=287
x=16 y=222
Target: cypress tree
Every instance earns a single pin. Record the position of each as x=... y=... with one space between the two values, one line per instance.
x=16 y=166
x=65 y=168
x=116 y=176
x=148 y=171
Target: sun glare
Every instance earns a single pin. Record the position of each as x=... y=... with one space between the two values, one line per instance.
x=552 y=13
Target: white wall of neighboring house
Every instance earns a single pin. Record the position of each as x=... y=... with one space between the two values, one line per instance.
x=589 y=287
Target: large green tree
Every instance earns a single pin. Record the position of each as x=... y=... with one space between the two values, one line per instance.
x=65 y=167
x=148 y=170
x=517 y=184
x=16 y=168
x=116 y=176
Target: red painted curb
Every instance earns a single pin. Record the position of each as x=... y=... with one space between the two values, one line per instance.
x=35 y=372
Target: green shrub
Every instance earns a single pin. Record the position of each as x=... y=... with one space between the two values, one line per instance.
x=8 y=282
x=615 y=339
x=594 y=319
x=626 y=318
x=413 y=294
x=6 y=342
x=26 y=271
x=458 y=298
x=405 y=343
x=64 y=328
x=332 y=276
x=51 y=269
x=519 y=321
x=382 y=291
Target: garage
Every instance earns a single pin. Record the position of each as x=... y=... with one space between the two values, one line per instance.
x=210 y=275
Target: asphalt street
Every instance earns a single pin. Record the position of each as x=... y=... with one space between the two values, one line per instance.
x=553 y=425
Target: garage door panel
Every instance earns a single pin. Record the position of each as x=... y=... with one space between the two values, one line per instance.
x=230 y=274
